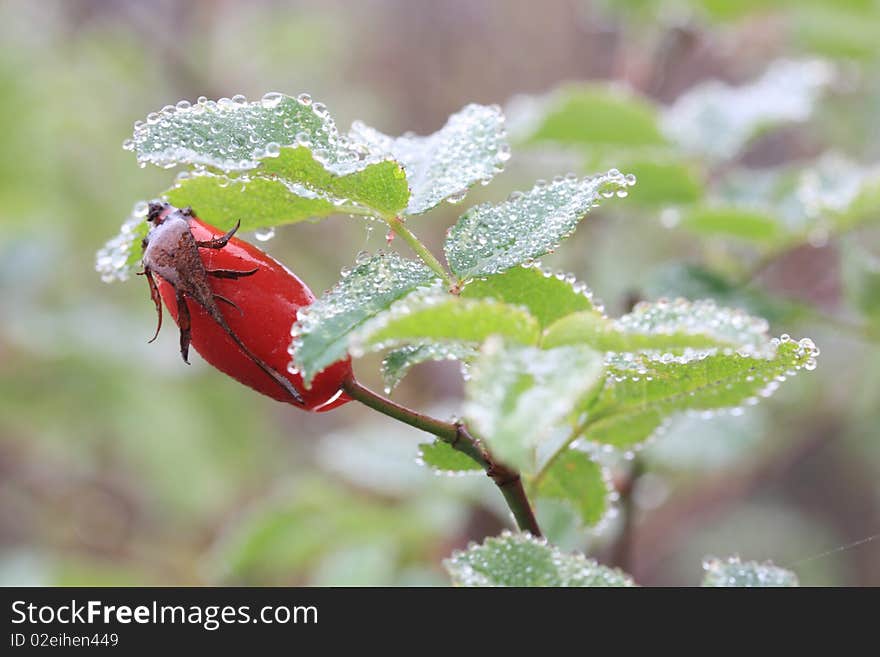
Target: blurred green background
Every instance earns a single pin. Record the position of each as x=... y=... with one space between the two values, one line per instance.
x=120 y=465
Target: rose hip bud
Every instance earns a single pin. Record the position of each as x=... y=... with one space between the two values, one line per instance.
x=235 y=304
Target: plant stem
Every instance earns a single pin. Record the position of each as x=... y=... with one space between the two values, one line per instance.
x=457 y=436
x=399 y=227
x=623 y=547
x=446 y=431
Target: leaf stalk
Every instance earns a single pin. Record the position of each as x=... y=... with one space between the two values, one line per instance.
x=399 y=228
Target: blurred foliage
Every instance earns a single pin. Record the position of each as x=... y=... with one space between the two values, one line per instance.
x=122 y=466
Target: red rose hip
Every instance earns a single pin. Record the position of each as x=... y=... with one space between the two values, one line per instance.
x=235 y=304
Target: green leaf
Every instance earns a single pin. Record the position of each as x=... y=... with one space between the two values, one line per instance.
x=489 y=239
x=716 y=120
x=257 y=202
x=613 y=127
x=548 y=296
x=662 y=325
x=290 y=188
x=234 y=136
x=839 y=194
x=724 y=12
x=846 y=30
x=662 y=180
x=380 y=185
x=835 y=30
x=435 y=315
x=641 y=391
x=694 y=282
x=517 y=395
x=322 y=330
x=732 y=572
x=117 y=259
x=470 y=148
x=627 y=429
x=443 y=459
x=787 y=205
x=398 y=362
x=743 y=223
x=591 y=115
x=760 y=197
x=522 y=560
x=279 y=138
x=295 y=165
x=579 y=481
x=221 y=201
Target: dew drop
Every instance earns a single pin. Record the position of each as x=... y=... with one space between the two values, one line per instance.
x=271 y=99
x=265 y=234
